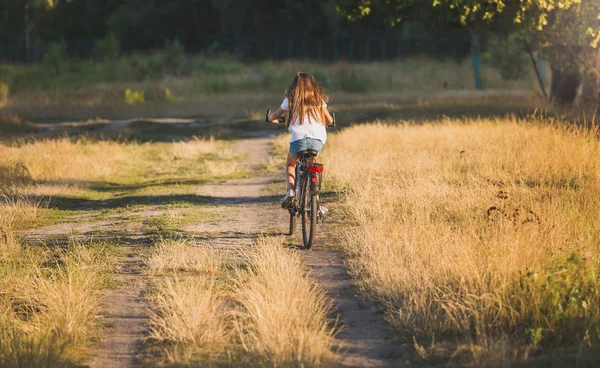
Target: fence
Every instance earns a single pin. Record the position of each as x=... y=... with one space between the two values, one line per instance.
x=367 y=47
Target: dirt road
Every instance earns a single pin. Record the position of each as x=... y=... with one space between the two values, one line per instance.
x=243 y=210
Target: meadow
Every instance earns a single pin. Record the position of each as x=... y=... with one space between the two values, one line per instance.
x=467 y=217
x=479 y=237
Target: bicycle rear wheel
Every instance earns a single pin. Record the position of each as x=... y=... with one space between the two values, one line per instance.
x=309 y=214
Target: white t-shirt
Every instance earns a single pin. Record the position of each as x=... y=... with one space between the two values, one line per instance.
x=310 y=129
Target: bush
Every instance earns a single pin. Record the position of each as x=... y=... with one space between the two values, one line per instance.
x=508 y=57
x=133 y=97
x=56 y=57
x=141 y=68
x=212 y=85
x=220 y=66
x=351 y=81
x=174 y=58
x=107 y=48
x=321 y=78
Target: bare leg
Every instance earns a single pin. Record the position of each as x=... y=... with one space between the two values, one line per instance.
x=290 y=170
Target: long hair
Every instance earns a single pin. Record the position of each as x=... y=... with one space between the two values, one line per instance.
x=305 y=97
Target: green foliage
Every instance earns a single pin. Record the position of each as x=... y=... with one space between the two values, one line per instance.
x=56 y=57
x=107 y=48
x=211 y=84
x=219 y=66
x=133 y=97
x=174 y=59
x=563 y=294
x=350 y=80
x=508 y=57
x=321 y=78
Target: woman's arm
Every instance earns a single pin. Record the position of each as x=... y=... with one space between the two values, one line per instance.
x=273 y=118
x=328 y=117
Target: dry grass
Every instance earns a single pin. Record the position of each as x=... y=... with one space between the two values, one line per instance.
x=191 y=319
x=284 y=316
x=48 y=303
x=49 y=296
x=479 y=237
x=81 y=160
x=264 y=311
x=180 y=255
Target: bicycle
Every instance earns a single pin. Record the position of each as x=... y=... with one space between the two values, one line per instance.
x=306 y=204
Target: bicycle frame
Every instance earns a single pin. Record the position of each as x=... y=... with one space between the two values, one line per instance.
x=303 y=171
x=307 y=207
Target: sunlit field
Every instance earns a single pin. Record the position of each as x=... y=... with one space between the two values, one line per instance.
x=258 y=308
x=479 y=237
x=206 y=306
x=51 y=288
x=476 y=234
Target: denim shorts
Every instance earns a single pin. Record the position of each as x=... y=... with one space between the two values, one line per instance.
x=305 y=144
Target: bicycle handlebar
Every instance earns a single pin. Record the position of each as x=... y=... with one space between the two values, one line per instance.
x=282 y=119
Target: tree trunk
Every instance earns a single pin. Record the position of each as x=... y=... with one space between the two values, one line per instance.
x=565 y=83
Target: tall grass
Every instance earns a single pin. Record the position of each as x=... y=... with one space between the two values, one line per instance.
x=262 y=311
x=284 y=319
x=479 y=237
x=50 y=294
x=106 y=83
x=50 y=168
x=48 y=303
x=65 y=159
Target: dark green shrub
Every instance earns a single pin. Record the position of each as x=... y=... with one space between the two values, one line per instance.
x=140 y=68
x=107 y=48
x=211 y=85
x=349 y=80
x=321 y=77
x=56 y=57
x=174 y=59
x=219 y=66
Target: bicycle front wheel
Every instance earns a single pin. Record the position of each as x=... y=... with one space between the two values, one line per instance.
x=309 y=215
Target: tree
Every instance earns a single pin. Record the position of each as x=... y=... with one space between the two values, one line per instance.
x=567 y=31
x=394 y=13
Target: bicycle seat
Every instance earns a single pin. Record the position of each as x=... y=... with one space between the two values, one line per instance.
x=308 y=153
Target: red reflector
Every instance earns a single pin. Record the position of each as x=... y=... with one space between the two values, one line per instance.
x=315 y=168
x=314 y=180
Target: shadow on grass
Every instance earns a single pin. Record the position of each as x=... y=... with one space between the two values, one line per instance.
x=107 y=187
x=228 y=124
x=83 y=204
x=428 y=112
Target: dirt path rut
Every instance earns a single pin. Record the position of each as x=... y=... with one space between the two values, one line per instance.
x=251 y=210
x=125 y=314
x=245 y=209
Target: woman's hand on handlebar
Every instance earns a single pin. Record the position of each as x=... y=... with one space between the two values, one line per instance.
x=276 y=117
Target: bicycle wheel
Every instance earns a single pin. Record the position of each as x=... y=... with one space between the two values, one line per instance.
x=309 y=214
